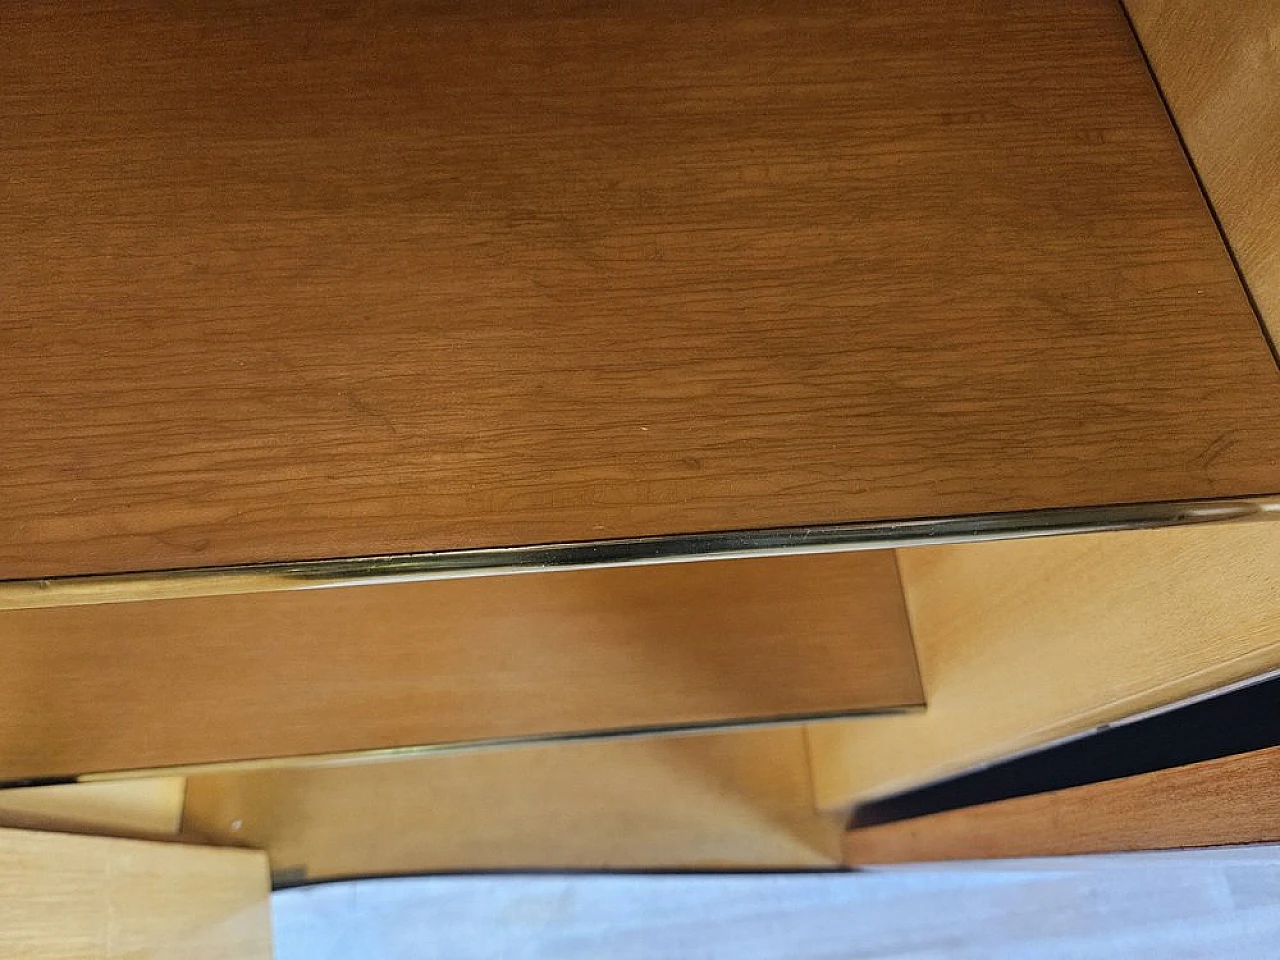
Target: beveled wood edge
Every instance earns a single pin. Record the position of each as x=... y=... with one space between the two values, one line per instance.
x=636 y=551
x=416 y=751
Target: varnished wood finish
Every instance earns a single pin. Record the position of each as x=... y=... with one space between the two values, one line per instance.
x=142 y=685
x=1227 y=801
x=733 y=800
x=296 y=280
x=1024 y=643
x=1218 y=66
x=67 y=898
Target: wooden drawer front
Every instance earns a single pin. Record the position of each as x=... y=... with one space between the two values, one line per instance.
x=153 y=684
x=287 y=281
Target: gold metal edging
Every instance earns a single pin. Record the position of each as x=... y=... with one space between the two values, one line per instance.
x=635 y=551
x=412 y=752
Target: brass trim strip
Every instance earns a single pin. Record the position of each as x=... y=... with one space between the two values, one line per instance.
x=392 y=754
x=637 y=551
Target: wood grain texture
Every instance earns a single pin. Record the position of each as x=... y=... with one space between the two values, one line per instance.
x=1217 y=802
x=737 y=800
x=1023 y=643
x=134 y=685
x=297 y=280
x=65 y=897
x=1219 y=67
x=148 y=807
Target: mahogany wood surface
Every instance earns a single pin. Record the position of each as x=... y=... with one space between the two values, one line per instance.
x=1225 y=801
x=296 y=280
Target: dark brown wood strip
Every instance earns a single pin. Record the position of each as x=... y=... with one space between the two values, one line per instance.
x=1230 y=800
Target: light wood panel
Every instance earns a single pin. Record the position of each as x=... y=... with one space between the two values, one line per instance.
x=65 y=897
x=1218 y=66
x=739 y=800
x=146 y=807
x=1023 y=643
x=295 y=280
x=142 y=685
x=1227 y=801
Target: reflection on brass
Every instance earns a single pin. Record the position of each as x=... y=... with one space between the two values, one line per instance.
x=503 y=561
x=391 y=754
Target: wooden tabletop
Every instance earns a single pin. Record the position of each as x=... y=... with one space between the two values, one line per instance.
x=295 y=280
